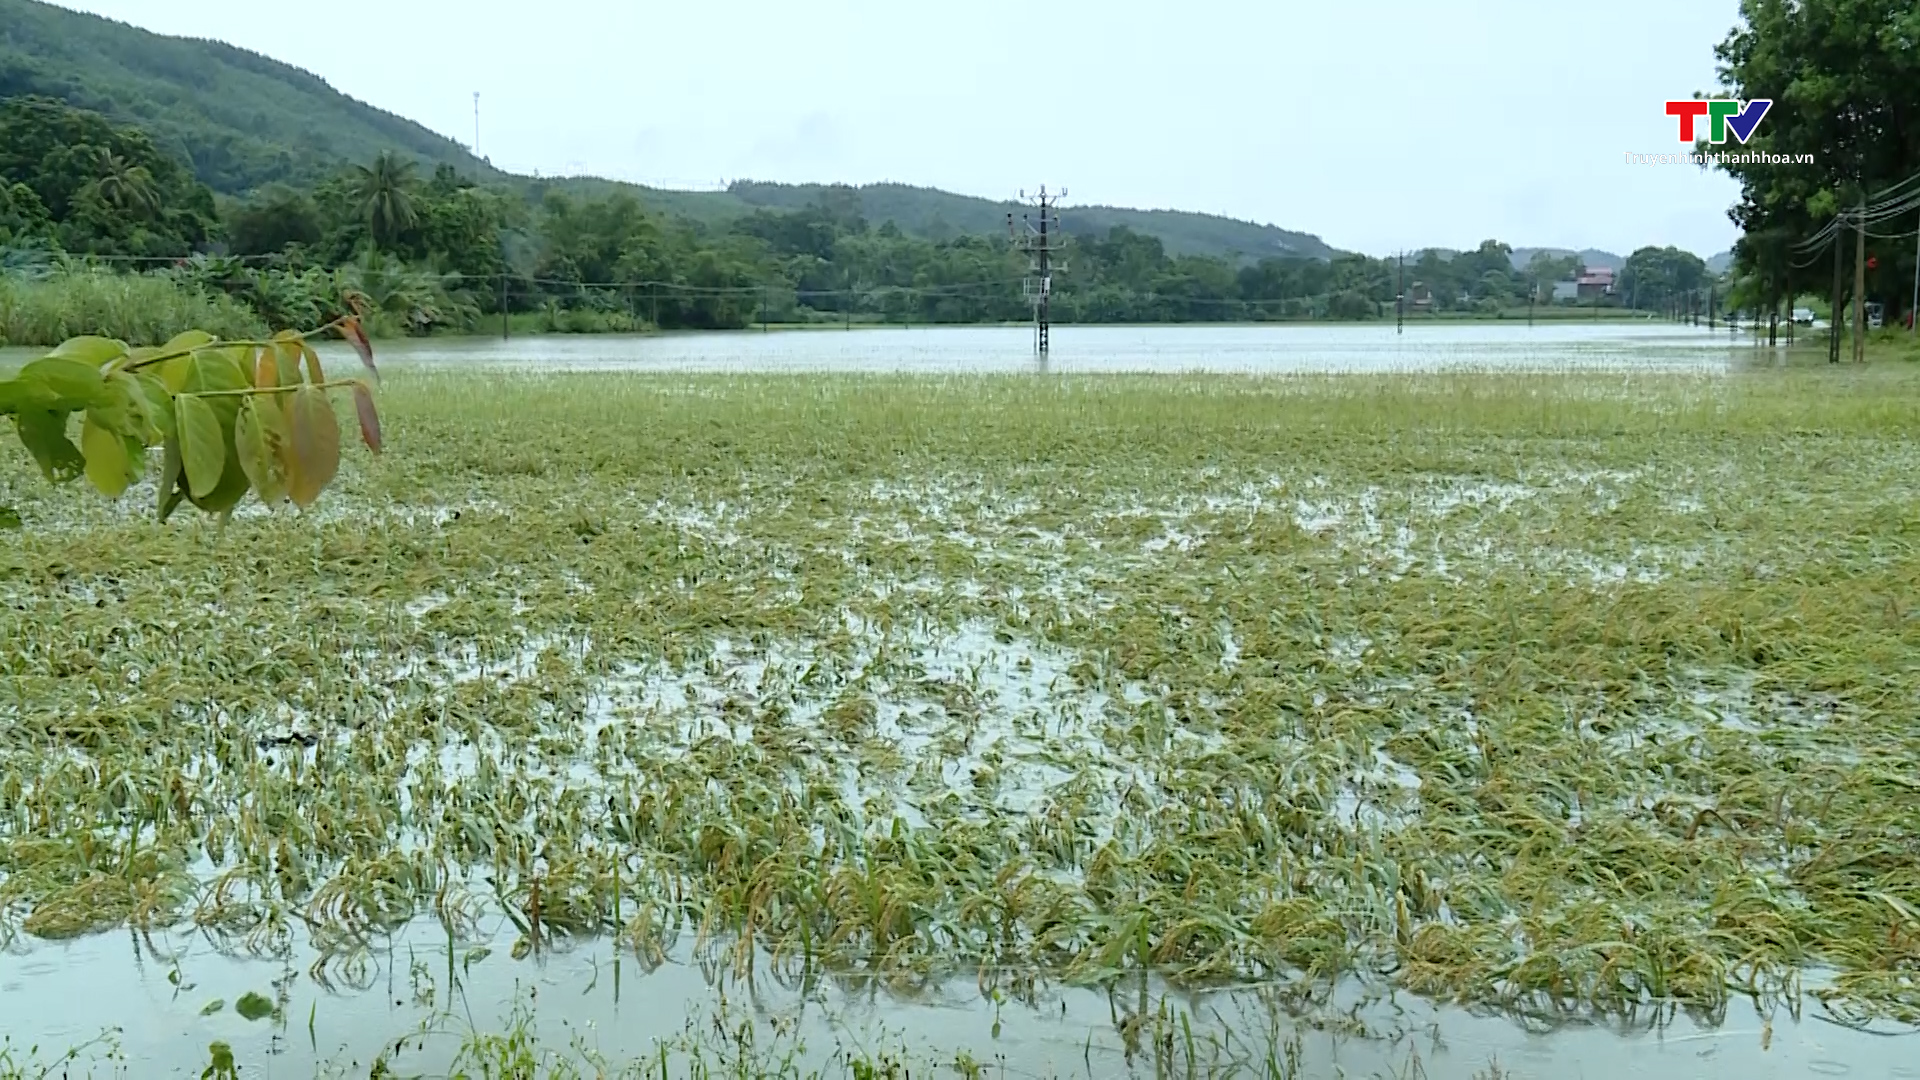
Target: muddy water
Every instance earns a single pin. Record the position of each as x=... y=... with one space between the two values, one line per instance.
x=1567 y=344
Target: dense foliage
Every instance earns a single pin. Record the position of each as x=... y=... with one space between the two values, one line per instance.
x=77 y=181
x=1844 y=78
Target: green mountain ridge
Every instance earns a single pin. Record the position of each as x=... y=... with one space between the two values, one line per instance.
x=244 y=120
x=240 y=119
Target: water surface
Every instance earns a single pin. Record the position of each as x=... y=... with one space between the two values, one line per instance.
x=1330 y=347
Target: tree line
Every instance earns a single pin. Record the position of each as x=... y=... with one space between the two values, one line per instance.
x=442 y=251
x=1844 y=80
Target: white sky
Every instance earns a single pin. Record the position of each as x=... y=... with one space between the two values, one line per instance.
x=1377 y=125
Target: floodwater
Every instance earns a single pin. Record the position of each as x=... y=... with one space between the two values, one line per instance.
x=1240 y=349
x=1565 y=344
x=416 y=985
x=55 y=995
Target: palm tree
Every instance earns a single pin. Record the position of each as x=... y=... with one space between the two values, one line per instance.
x=126 y=186
x=383 y=192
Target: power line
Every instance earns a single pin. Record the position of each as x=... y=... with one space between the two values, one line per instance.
x=1889 y=203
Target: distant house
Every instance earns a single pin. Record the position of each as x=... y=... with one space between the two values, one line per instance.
x=1419 y=297
x=1594 y=284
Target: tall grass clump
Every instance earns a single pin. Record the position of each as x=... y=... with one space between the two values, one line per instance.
x=137 y=309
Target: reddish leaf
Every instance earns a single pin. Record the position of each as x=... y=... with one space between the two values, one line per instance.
x=266 y=371
x=357 y=337
x=369 y=419
x=314 y=374
x=313 y=437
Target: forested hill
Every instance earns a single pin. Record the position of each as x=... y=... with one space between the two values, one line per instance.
x=939 y=215
x=240 y=118
x=243 y=120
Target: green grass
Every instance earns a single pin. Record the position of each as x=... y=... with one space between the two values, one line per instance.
x=1533 y=692
x=137 y=309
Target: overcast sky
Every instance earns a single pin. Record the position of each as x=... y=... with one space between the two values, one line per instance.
x=1377 y=124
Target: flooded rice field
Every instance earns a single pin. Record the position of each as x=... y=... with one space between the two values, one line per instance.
x=1443 y=724
x=1566 y=344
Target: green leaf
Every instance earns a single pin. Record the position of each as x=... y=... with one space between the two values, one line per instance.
x=258 y=438
x=314 y=438
x=170 y=494
x=207 y=370
x=91 y=351
x=254 y=1006
x=213 y=1006
x=122 y=408
x=203 y=450
x=109 y=467
x=15 y=395
x=187 y=342
x=159 y=403
x=233 y=487
x=74 y=385
x=44 y=434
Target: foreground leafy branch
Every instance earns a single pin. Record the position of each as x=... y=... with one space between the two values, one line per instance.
x=233 y=416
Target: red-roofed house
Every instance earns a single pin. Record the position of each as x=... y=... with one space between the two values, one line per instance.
x=1594 y=283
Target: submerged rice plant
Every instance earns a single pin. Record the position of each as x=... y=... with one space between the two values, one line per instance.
x=1556 y=695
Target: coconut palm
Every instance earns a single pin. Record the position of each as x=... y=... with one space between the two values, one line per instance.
x=126 y=186
x=384 y=193
x=413 y=298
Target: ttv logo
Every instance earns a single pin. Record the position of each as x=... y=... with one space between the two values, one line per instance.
x=1723 y=116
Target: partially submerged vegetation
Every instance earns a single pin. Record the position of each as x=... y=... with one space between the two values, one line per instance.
x=1557 y=695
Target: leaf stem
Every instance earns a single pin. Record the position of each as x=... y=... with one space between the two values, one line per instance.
x=178 y=353
x=252 y=390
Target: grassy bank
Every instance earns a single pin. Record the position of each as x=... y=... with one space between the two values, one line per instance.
x=1577 y=693
x=136 y=309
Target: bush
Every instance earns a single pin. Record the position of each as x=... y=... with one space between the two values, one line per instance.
x=137 y=309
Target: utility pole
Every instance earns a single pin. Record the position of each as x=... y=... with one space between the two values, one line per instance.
x=1860 y=285
x=1913 y=313
x=1833 y=321
x=503 y=306
x=1400 y=301
x=1713 y=297
x=1041 y=244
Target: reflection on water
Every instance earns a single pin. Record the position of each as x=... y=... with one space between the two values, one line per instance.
x=159 y=996
x=1255 y=349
